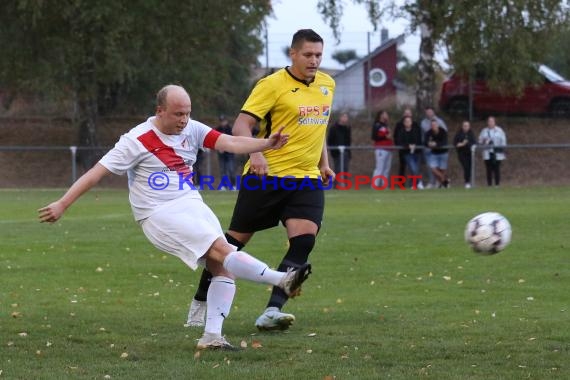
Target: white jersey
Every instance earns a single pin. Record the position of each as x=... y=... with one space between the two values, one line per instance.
x=159 y=166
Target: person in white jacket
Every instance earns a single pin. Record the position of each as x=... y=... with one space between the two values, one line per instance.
x=495 y=139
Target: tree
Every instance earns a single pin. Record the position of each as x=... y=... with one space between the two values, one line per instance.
x=101 y=54
x=558 y=57
x=344 y=56
x=475 y=32
x=407 y=71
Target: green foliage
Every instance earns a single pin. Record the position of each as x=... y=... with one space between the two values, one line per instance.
x=407 y=72
x=504 y=37
x=395 y=293
x=344 y=56
x=123 y=51
x=558 y=57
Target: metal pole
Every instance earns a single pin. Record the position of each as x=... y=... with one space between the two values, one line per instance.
x=266 y=49
x=473 y=150
x=208 y=162
x=341 y=149
x=73 y=150
x=368 y=87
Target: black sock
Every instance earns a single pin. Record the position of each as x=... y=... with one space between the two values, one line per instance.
x=202 y=291
x=299 y=249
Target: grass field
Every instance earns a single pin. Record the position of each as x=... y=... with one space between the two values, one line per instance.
x=395 y=293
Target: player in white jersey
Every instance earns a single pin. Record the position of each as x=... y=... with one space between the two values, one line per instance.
x=158 y=155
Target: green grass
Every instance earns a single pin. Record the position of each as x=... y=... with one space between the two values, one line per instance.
x=395 y=293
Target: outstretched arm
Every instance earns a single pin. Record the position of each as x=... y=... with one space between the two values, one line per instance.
x=242 y=144
x=52 y=212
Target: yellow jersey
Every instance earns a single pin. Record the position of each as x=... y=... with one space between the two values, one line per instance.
x=281 y=100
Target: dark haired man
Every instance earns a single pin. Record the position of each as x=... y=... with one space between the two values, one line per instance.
x=298 y=98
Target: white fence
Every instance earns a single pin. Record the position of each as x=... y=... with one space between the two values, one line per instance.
x=525 y=164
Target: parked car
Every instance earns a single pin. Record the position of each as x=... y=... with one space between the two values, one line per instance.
x=551 y=97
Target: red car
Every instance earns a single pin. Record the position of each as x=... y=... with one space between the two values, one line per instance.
x=552 y=97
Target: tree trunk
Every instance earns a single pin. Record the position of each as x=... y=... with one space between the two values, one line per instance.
x=426 y=73
x=86 y=121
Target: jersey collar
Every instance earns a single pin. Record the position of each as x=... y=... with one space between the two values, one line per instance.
x=298 y=79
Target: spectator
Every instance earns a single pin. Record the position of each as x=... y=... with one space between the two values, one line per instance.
x=226 y=160
x=494 y=137
x=397 y=136
x=463 y=140
x=340 y=135
x=382 y=138
x=426 y=126
x=410 y=139
x=436 y=141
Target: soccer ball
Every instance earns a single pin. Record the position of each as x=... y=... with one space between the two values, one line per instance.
x=488 y=233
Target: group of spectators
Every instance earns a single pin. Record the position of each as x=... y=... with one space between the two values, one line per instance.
x=424 y=143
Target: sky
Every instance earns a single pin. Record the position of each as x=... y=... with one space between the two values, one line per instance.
x=291 y=15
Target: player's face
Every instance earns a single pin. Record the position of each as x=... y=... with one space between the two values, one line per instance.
x=175 y=114
x=306 y=59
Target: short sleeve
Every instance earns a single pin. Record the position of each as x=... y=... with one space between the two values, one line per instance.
x=204 y=136
x=261 y=99
x=122 y=157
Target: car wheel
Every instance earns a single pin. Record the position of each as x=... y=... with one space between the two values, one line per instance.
x=560 y=108
x=458 y=107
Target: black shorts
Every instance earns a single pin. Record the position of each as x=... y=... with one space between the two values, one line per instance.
x=262 y=203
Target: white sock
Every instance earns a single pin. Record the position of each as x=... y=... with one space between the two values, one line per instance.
x=243 y=265
x=220 y=297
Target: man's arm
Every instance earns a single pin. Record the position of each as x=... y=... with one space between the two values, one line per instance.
x=327 y=174
x=52 y=212
x=243 y=144
x=243 y=126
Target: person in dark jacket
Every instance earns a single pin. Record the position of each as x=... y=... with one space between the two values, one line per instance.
x=436 y=142
x=464 y=139
x=340 y=135
x=398 y=130
x=410 y=139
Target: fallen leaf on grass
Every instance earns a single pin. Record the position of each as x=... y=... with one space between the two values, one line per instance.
x=23 y=334
x=124 y=355
x=256 y=344
x=312 y=334
x=16 y=314
x=243 y=344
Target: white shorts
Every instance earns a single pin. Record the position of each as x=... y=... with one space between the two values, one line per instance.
x=185 y=228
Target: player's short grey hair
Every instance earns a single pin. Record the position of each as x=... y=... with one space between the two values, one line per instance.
x=162 y=94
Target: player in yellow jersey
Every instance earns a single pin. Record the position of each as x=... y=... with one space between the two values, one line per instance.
x=287 y=185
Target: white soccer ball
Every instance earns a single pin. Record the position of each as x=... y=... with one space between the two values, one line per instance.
x=488 y=233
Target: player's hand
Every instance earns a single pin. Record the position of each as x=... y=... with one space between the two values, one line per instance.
x=327 y=175
x=51 y=213
x=258 y=164
x=277 y=139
